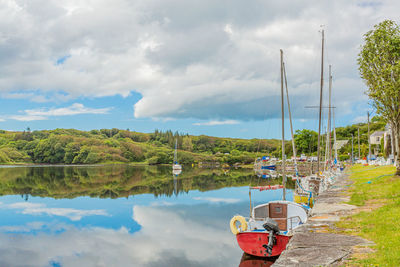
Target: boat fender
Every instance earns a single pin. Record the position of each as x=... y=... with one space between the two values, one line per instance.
x=243 y=224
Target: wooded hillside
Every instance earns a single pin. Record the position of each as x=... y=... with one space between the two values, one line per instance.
x=70 y=146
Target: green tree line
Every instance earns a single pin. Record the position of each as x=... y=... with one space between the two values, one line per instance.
x=70 y=146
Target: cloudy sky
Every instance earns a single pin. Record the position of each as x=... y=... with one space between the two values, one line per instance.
x=199 y=67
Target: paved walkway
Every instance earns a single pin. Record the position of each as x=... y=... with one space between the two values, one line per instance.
x=312 y=244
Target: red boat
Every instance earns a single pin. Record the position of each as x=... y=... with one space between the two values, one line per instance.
x=267 y=232
x=253 y=243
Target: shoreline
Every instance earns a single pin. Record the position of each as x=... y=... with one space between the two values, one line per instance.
x=317 y=243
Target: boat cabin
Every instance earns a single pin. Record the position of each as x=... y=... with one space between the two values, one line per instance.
x=287 y=214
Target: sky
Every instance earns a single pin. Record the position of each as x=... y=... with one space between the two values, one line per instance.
x=198 y=67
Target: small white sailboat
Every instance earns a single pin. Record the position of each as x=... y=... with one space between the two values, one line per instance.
x=176 y=167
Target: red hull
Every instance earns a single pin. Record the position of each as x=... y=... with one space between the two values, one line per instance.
x=252 y=243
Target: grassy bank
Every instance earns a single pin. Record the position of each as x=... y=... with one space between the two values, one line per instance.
x=377 y=192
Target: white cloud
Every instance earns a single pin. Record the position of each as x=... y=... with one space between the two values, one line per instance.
x=34 y=97
x=162 y=203
x=74 y=109
x=212 y=123
x=205 y=60
x=27 y=118
x=43 y=114
x=17 y=95
x=40 y=209
x=218 y=200
x=29 y=227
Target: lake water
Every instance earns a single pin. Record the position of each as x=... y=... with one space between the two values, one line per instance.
x=119 y=215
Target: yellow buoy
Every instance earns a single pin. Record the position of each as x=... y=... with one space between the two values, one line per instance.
x=243 y=224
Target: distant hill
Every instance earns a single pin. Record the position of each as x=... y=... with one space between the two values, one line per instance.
x=70 y=146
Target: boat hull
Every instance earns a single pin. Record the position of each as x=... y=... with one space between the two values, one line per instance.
x=252 y=243
x=269 y=167
x=177 y=167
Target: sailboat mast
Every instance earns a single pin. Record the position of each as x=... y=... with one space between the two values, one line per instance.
x=334 y=135
x=329 y=118
x=175 y=152
x=352 y=151
x=283 y=132
x=290 y=119
x=320 y=104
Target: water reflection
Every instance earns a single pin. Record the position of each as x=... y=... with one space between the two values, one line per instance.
x=252 y=261
x=113 y=181
x=122 y=216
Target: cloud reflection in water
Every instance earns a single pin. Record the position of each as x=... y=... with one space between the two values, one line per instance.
x=40 y=209
x=179 y=235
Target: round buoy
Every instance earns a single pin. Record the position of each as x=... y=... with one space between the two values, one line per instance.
x=243 y=224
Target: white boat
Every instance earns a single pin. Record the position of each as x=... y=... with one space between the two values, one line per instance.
x=176 y=166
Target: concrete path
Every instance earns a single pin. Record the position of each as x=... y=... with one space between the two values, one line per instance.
x=312 y=244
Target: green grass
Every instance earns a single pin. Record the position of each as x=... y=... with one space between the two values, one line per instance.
x=381 y=224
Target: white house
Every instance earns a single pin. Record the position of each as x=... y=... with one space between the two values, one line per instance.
x=376 y=137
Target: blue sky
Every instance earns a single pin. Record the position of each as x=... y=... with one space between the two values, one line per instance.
x=209 y=67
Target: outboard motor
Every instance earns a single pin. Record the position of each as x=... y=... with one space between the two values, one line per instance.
x=272 y=227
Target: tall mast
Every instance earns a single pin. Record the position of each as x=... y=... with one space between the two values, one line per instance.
x=334 y=135
x=175 y=152
x=290 y=119
x=326 y=148
x=352 y=154
x=320 y=103
x=283 y=132
x=329 y=117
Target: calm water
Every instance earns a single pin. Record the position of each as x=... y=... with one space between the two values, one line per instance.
x=122 y=216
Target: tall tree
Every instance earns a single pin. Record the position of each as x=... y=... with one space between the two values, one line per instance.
x=379 y=65
x=306 y=141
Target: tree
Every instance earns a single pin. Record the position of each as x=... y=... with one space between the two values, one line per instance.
x=379 y=65
x=305 y=141
x=187 y=143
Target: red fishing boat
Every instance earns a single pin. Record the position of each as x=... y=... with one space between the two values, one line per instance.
x=269 y=229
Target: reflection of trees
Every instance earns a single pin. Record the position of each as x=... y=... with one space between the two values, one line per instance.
x=113 y=181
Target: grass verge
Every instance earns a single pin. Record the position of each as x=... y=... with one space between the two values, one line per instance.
x=377 y=192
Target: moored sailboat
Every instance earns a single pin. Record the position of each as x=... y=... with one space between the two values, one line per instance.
x=270 y=226
x=176 y=167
